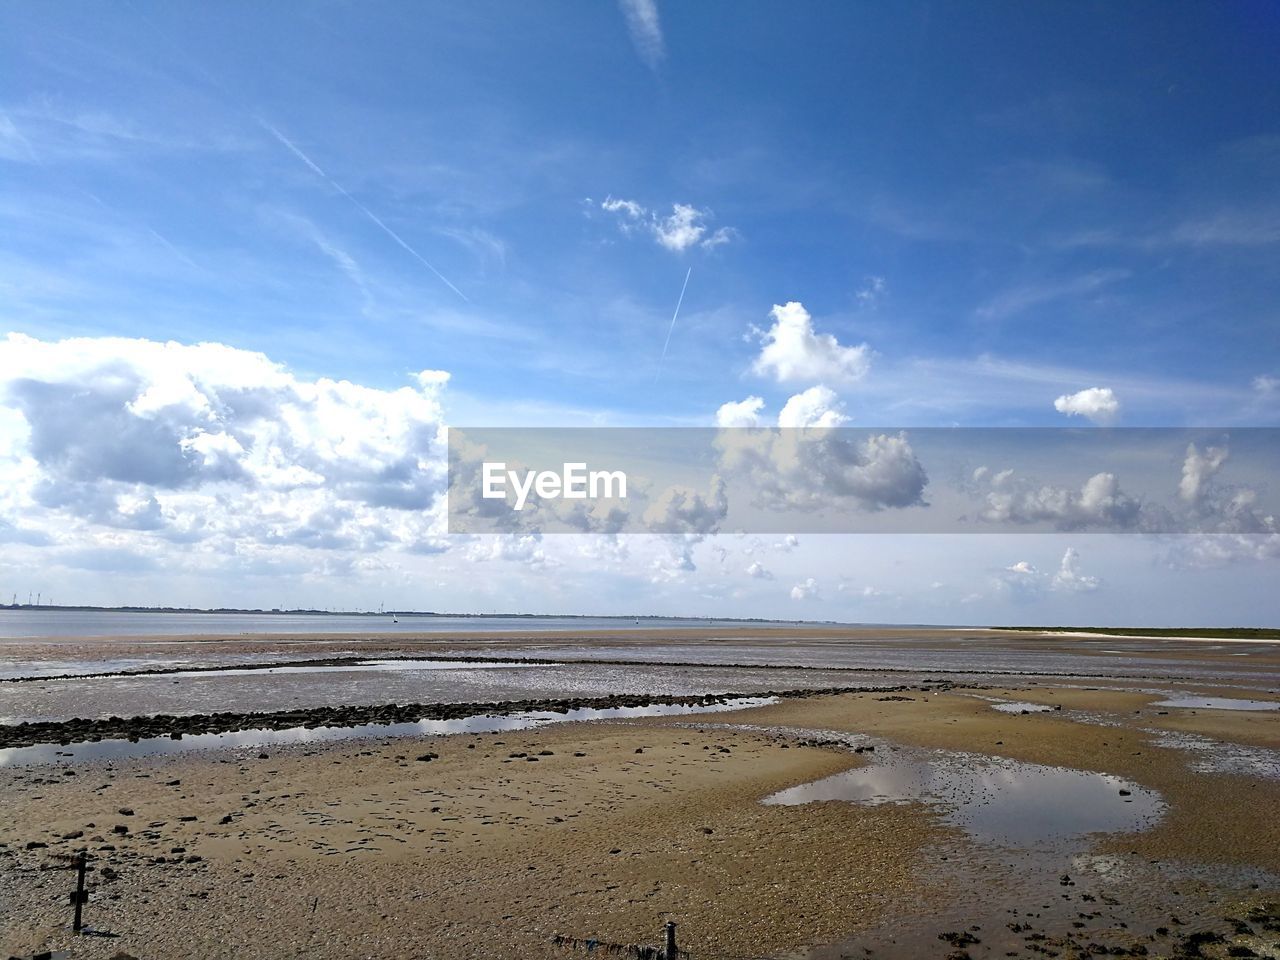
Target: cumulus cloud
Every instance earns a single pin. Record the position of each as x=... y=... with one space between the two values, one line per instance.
x=684 y=228
x=740 y=413
x=758 y=571
x=1198 y=469
x=1024 y=579
x=816 y=407
x=791 y=351
x=1098 y=404
x=1220 y=550
x=807 y=589
x=519 y=548
x=1069 y=577
x=821 y=468
x=1215 y=507
x=204 y=442
x=680 y=510
x=1099 y=503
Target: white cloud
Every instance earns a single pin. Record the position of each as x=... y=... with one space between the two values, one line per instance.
x=820 y=469
x=1265 y=385
x=1098 y=503
x=791 y=351
x=646 y=30
x=1220 y=550
x=807 y=589
x=816 y=407
x=1198 y=469
x=681 y=510
x=1069 y=579
x=1216 y=507
x=740 y=413
x=213 y=445
x=684 y=228
x=757 y=571
x=1025 y=580
x=1098 y=404
x=629 y=208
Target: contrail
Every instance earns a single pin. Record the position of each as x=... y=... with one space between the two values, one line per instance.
x=315 y=168
x=684 y=287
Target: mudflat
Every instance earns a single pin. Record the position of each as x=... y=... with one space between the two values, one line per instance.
x=1017 y=816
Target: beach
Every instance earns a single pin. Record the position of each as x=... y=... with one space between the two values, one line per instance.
x=970 y=813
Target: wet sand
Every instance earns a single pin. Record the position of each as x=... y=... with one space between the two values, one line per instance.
x=609 y=829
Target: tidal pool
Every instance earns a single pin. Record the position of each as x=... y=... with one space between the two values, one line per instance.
x=1014 y=706
x=995 y=800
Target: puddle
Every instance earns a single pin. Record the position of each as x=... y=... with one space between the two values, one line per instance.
x=995 y=800
x=1218 y=703
x=1013 y=706
x=124 y=749
x=1218 y=756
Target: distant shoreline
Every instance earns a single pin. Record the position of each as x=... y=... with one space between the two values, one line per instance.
x=309 y=612
x=1188 y=633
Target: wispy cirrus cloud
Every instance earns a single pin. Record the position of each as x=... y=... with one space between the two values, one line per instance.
x=1018 y=299
x=645 y=28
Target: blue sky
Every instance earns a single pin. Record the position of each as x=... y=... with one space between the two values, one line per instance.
x=1005 y=203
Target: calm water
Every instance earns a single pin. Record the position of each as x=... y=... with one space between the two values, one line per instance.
x=25 y=624
x=160 y=746
x=994 y=799
x=374 y=682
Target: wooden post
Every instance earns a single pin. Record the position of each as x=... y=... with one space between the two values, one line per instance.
x=671 y=952
x=80 y=896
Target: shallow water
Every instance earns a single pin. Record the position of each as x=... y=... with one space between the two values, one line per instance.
x=291 y=688
x=993 y=799
x=1018 y=707
x=16 y=624
x=157 y=746
x=1218 y=703
x=1208 y=755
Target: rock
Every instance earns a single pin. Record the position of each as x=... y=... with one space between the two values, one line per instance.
x=36 y=844
x=125 y=811
x=73 y=835
x=120 y=828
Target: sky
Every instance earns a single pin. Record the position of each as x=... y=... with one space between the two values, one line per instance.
x=255 y=259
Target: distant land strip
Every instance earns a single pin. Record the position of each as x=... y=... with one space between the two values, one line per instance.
x=1211 y=633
